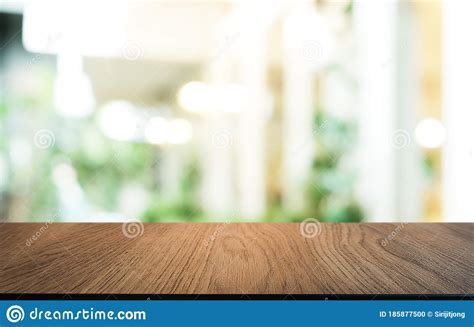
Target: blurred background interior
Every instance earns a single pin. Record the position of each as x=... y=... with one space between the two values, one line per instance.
x=236 y=110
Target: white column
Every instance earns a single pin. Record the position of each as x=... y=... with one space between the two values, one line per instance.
x=409 y=165
x=219 y=144
x=458 y=111
x=375 y=28
x=298 y=106
x=251 y=139
x=218 y=181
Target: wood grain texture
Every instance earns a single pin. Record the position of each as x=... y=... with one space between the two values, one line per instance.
x=247 y=258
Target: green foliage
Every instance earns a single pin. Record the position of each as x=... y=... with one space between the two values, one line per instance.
x=185 y=208
x=349 y=9
x=171 y=212
x=44 y=199
x=329 y=193
x=104 y=166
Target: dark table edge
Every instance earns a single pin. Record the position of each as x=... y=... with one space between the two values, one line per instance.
x=238 y=297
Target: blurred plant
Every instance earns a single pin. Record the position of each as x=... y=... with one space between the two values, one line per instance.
x=330 y=190
x=185 y=208
x=26 y=193
x=349 y=9
x=104 y=166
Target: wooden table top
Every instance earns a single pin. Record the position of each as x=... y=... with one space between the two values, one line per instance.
x=244 y=258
